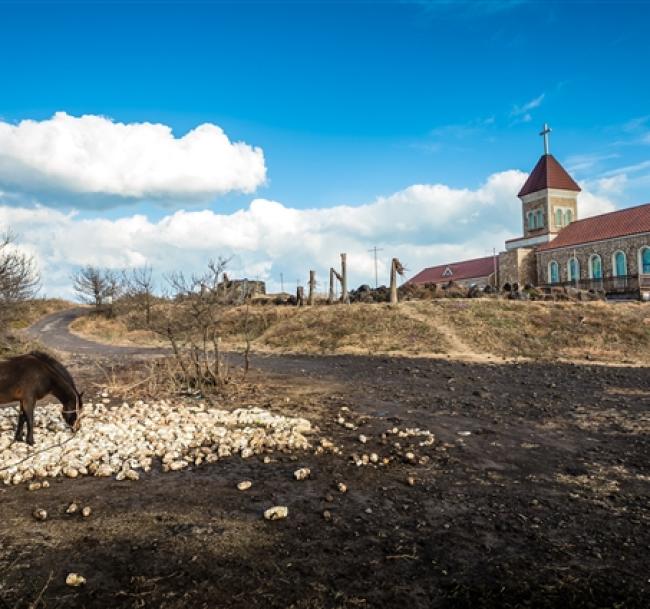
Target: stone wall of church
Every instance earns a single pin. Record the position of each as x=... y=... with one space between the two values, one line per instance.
x=518 y=266
x=605 y=249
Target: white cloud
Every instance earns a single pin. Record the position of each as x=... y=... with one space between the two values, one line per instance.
x=527 y=107
x=93 y=155
x=424 y=224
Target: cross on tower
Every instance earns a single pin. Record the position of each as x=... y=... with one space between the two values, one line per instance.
x=545 y=133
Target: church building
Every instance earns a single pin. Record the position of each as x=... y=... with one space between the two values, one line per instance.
x=610 y=251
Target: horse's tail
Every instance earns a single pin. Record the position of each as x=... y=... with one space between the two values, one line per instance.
x=56 y=365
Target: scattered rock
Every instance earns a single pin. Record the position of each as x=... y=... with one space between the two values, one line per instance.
x=244 y=485
x=342 y=487
x=39 y=514
x=86 y=511
x=277 y=512
x=302 y=474
x=73 y=508
x=75 y=580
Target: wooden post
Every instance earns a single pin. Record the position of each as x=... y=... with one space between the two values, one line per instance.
x=312 y=287
x=395 y=269
x=345 y=299
x=330 y=299
x=300 y=296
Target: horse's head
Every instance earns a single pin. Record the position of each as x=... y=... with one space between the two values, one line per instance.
x=72 y=411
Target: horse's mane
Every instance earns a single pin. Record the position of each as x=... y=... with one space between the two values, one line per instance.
x=57 y=366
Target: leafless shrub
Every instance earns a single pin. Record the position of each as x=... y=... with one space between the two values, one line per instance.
x=19 y=280
x=193 y=330
x=139 y=288
x=99 y=287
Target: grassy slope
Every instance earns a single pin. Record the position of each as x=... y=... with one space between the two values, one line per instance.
x=598 y=331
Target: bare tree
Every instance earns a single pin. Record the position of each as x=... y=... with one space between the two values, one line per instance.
x=97 y=286
x=19 y=278
x=140 y=286
x=193 y=331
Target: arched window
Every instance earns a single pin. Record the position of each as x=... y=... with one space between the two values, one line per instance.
x=573 y=269
x=644 y=260
x=568 y=216
x=619 y=264
x=595 y=267
x=553 y=272
x=531 y=220
x=558 y=217
x=540 y=218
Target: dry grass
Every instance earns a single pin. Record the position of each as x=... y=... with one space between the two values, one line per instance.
x=605 y=332
x=113 y=332
x=552 y=330
x=26 y=313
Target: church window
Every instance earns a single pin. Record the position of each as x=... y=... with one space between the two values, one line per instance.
x=558 y=217
x=568 y=216
x=531 y=220
x=540 y=218
x=619 y=264
x=644 y=260
x=595 y=267
x=573 y=268
x=554 y=272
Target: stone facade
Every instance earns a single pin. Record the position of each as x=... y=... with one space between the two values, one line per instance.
x=549 y=202
x=518 y=266
x=630 y=246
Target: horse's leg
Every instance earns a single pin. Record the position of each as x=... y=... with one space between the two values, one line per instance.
x=21 y=422
x=29 y=416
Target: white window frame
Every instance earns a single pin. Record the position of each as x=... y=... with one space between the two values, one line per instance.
x=640 y=260
x=568 y=269
x=615 y=266
x=591 y=266
x=550 y=273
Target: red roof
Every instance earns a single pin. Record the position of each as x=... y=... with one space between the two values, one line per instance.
x=467 y=269
x=630 y=221
x=548 y=173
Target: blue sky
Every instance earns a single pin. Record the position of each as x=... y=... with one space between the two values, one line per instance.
x=349 y=101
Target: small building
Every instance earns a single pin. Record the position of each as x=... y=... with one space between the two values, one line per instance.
x=479 y=272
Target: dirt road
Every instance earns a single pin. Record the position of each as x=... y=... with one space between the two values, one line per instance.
x=534 y=494
x=53 y=332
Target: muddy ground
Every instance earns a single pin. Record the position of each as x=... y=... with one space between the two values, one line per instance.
x=544 y=503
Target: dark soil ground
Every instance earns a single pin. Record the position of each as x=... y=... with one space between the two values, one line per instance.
x=544 y=504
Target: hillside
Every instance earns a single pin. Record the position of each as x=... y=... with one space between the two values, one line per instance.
x=469 y=329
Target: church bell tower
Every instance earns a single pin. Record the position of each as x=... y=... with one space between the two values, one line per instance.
x=549 y=200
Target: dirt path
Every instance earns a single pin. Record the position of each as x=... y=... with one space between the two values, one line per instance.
x=456 y=346
x=53 y=331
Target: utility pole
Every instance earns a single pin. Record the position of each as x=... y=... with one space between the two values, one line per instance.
x=281 y=282
x=375 y=250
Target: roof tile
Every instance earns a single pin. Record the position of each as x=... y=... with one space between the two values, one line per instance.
x=630 y=221
x=548 y=173
x=467 y=269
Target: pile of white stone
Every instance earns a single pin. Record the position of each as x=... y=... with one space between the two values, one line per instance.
x=123 y=441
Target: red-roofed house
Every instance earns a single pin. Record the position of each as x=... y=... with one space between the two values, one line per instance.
x=610 y=251
x=479 y=271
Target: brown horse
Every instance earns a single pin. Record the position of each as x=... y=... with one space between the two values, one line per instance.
x=29 y=378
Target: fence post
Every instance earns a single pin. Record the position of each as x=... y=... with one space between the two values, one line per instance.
x=312 y=287
x=345 y=299
x=330 y=298
x=300 y=296
x=393 y=282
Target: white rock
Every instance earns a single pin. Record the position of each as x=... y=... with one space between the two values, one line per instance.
x=244 y=485
x=302 y=474
x=75 y=580
x=276 y=512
